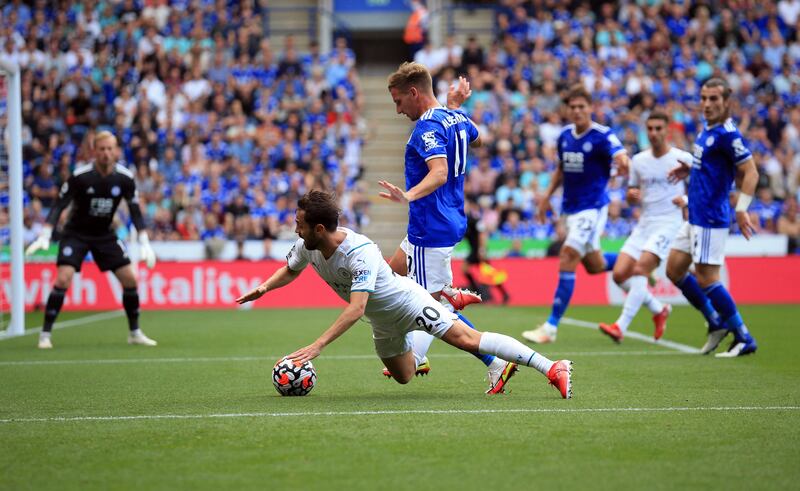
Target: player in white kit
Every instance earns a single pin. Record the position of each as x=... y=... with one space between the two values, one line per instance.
x=650 y=241
x=396 y=306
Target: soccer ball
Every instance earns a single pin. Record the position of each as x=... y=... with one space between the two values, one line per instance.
x=293 y=379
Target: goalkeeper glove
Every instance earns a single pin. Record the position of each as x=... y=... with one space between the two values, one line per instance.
x=146 y=253
x=42 y=242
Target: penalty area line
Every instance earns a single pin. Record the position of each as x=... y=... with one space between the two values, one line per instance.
x=68 y=419
x=73 y=322
x=683 y=348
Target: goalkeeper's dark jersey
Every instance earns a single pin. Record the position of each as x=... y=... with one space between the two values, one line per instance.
x=95 y=199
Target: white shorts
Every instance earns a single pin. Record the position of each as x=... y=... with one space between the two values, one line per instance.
x=585 y=228
x=654 y=236
x=428 y=266
x=706 y=245
x=419 y=311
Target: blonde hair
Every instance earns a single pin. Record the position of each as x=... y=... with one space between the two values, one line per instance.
x=411 y=74
x=104 y=135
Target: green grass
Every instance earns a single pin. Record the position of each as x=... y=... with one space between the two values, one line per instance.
x=219 y=362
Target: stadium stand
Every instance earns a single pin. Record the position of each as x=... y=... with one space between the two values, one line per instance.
x=632 y=56
x=219 y=118
x=224 y=128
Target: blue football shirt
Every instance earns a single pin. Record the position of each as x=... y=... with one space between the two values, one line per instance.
x=717 y=152
x=438 y=220
x=585 y=161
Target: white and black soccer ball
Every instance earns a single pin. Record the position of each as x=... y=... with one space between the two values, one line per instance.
x=293 y=379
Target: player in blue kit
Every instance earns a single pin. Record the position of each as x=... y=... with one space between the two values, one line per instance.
x=435 y=169
x=720 y=156
x=586 y=152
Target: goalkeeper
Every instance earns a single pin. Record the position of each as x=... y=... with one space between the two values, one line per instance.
x=95 y=191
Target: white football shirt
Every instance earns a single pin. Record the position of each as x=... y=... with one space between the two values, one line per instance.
x=649 y=174
x=356 y=265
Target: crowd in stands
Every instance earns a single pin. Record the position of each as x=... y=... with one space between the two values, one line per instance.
x=224 y=129
x=633 y=57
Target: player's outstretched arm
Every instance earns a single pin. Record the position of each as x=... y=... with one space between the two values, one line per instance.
x=65 y=194
x=749 y=180
x=354 y=310
x=279 y=278
x=433 y=180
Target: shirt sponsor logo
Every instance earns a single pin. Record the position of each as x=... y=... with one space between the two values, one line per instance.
x=430 y=140
x=361 y=275
x=739 y=149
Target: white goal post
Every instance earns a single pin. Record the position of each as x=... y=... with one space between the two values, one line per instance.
x=13 y=145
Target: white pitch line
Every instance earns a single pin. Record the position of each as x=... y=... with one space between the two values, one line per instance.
x=74 y=322
x=272 y=358
x=683 y=348
x=66 y=419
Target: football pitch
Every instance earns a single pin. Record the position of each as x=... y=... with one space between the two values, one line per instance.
x=199 y=411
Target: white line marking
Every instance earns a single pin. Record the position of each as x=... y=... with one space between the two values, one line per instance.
x=683 y=348
x=74 y=322
x=273 y=358
x=63 y=419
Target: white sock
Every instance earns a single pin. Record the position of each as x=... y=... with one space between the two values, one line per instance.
x=509 y=349
x=420 y=343
x=653 y=304
x=638 y=290
x=44 y=335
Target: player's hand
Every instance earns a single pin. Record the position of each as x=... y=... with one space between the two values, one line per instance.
x=306 y=354
x=42 y=242
x=541 y=209
x=745 y=225
x=623 y=165
x=679 y=173
x=146 y=252
x=253 y=294
x=680 y=201
x=634 y=195
x=395 y=193
x=458 y=93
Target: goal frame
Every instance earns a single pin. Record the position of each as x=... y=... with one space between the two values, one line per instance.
x=13 y=136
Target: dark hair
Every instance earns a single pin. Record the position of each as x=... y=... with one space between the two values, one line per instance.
x=321 y=209
x=578 y=91
x=719 y=82
x=659 y=115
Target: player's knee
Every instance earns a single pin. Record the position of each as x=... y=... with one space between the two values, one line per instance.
x=674 y=274
x=619 y=276
x=568 y=259
x=63 y=280
x=402 y=377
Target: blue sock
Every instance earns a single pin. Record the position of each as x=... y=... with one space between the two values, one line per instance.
x=694 y=294
x=486 y=359
x=566 y=284
x=611 y=260
x=726 y=307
